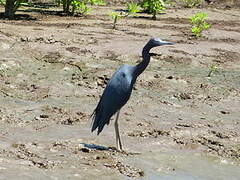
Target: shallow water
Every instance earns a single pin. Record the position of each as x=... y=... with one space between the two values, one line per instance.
x=185 y=165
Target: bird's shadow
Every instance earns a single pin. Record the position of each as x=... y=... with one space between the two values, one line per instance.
x=95 y=147
x=104 y=148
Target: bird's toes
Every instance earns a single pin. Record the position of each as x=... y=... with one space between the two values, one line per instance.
x=111 y=148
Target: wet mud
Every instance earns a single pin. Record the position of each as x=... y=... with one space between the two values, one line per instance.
x=180 y=123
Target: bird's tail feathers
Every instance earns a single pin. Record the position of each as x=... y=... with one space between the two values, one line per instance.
x=95 y=118
x=92 y=117
x=99 y=120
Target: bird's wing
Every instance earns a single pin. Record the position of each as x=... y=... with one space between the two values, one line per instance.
x=115 y=95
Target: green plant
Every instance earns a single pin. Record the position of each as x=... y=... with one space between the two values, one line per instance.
x=133 y=8
x=199 y=23
x=18 y=4
x=2 y=2
x=70 y=7
x=153 y=7
x=80 y=6
x=115 y=16
x=213 y=68
x=191 y=3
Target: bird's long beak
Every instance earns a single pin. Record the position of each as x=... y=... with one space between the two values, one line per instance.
x=166 y=43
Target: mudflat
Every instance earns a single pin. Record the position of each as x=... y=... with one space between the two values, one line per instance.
x=180 y=123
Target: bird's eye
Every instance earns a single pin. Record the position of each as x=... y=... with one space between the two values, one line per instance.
x=123 y=75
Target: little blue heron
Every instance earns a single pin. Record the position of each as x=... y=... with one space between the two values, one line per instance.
x=119 y=89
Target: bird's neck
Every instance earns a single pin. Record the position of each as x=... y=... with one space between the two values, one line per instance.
x=139 y=68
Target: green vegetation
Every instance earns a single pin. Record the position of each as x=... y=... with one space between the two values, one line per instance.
x=71 y=7
x=199 y=23
x=115 y=16
x=153 y=7
x=18 y=4
x=213 y=68
x=133 y=8
x=191 y=3
x=149 y=6
x=11 y=6
x=2 y=2
x=79 y=7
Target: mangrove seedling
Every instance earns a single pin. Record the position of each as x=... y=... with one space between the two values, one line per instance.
x=153 y=7
x=133 y=8
x=80 y=6
x=70 y=7
x=199 y=23
x=115 y=16
x=213 y=68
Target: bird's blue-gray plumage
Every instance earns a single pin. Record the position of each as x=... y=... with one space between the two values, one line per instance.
x=119 y=88
x=115 y=95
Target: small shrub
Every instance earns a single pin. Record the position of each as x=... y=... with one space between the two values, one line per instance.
x=199 y=23
x=71 y=7
x=153 y=7
x=191 y=3
x=80 y=7
x=133 y=8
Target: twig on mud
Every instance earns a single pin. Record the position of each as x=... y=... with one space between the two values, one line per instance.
x=42 y=127
x=6 y=94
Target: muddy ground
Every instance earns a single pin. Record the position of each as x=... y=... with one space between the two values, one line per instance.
x=178 y=124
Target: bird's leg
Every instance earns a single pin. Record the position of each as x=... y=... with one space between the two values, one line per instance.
x=118 y=140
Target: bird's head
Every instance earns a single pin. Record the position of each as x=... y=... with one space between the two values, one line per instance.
x=154 y=42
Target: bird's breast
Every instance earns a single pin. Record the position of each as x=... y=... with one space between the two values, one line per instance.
x=124 y=81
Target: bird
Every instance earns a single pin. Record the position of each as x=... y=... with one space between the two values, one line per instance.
x=118 y=91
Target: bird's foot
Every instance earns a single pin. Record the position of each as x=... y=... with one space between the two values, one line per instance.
x=123 y=151
x=111 y=148
x=115 y=149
